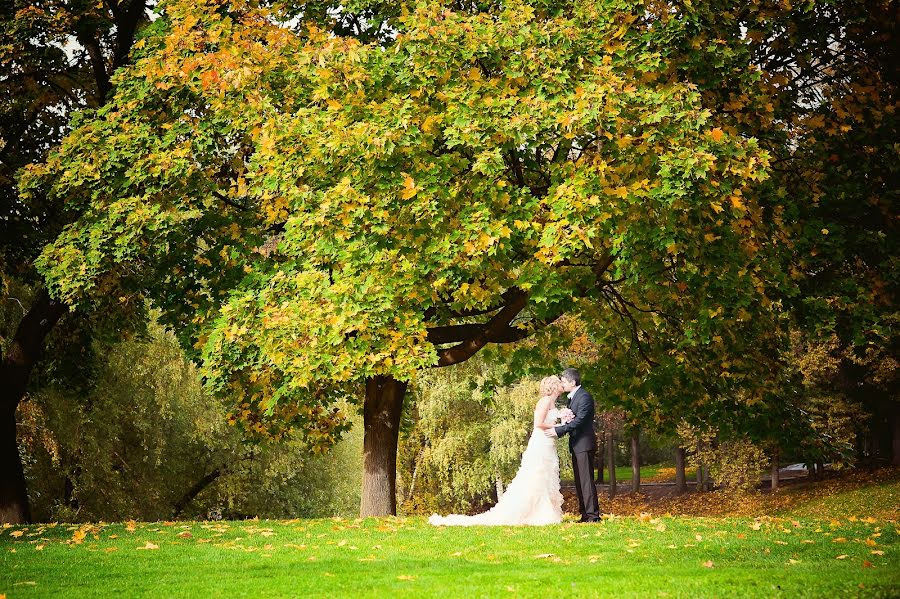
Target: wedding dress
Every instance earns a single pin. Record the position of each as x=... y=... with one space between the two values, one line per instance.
x=532 y=497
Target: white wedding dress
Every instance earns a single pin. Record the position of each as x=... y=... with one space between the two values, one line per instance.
x=532 y=497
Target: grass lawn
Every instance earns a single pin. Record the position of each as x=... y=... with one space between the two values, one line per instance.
x=624 y=556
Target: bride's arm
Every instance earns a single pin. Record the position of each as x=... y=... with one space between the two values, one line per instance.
x=541 y=412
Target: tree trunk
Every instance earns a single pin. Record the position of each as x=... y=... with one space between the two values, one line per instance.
x=775 y=472
x=895 y=436
x=635 y=460
x=498 y=485
x=611 y=463
x=820 y=470
x=700 y=477
x=195 y=490
x=381 y=418
x=15 y=370
x=680 y=479
x=601 y=458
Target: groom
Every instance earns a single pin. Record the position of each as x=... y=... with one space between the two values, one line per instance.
x=582 y=443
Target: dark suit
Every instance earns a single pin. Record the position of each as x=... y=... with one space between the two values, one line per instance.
x=582 y=445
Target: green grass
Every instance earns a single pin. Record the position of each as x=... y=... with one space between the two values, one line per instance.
x=636 y=557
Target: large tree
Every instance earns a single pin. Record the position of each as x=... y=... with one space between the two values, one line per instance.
x=321 y=218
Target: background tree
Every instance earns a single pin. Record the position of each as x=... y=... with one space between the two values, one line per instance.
x=145 y=442
x=55 y=57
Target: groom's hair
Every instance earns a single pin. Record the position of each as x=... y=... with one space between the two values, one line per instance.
x=572 y=375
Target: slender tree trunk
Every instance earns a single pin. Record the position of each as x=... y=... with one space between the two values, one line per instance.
x=680 y=479
x=381 y=418
x=498 y=485
x=700 y=477
x=15 y=370
x=601 y=458
x=635 y=460
x=820 y=470
x=611 y=463
x=775 y=464
x=195 y=490
x=895 y=436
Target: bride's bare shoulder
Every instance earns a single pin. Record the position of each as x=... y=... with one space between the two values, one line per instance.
x=542 y=401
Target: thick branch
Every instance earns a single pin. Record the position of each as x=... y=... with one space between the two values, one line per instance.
x=492 y=329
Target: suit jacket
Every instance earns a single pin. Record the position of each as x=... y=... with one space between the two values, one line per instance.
x=581 y=429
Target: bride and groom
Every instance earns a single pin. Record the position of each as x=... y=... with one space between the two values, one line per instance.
x=533 y=496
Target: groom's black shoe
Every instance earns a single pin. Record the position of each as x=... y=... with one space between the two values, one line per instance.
x=590 y=520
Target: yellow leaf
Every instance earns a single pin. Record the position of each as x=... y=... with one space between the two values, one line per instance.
x=149 y=545
x=16 y=533
x=409 y=187
x=841 y=557
x=406 y=577
x=717 y=134
x=877 y=552
x=708 y=564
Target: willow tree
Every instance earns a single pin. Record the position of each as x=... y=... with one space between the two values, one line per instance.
x=320 y=218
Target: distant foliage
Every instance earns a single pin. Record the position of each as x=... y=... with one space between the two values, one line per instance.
x=734 y=464
x=145 y=433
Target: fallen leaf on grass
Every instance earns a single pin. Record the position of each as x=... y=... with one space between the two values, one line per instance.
x=708 y=564
x=111 y=549
x=16 y=533
x=839 y=540
x=185 y=535
x=328 y=574
x=41 y=548
x=877 y=552
x=131 y=526
x=406 y=577
x=793 y=561
x=807 y=541
x=149 y=545
x=543 y=556
x=842 y=557
x=456 y=554
x=867 y=564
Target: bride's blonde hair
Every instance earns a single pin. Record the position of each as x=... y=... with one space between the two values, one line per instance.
x=551 y=385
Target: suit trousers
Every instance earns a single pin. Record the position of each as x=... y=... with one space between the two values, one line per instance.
x=583 y=466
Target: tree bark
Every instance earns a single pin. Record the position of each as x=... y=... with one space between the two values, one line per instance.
x=700 y=477
x=895 y=436
x=680 y=479
x=381 y=418
x=635 y=460
x=195 y=490
x=611 y=463
x=775 y=472
x=15 y=370
x=601 y=458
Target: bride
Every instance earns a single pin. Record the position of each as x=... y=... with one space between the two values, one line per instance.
x=533 y=496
